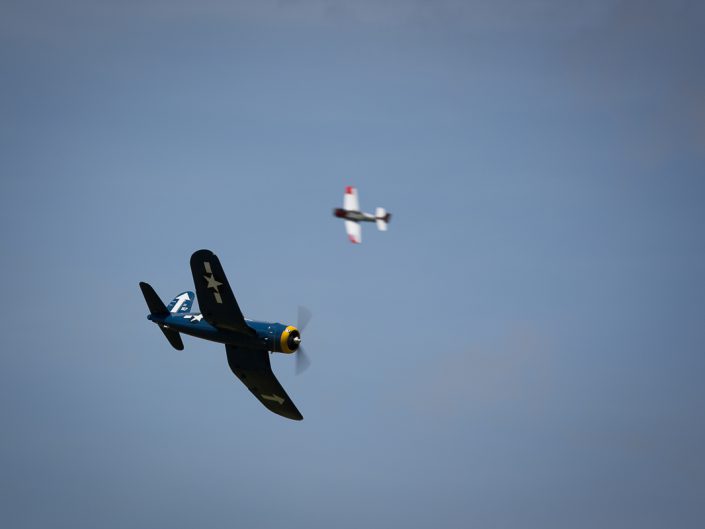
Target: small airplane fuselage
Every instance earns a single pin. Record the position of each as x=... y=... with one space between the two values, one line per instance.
x=358 y=216
x=274 y=337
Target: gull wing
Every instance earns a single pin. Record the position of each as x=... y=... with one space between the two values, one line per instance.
x=350 y=200
x=215 y=297
x=354 y=231
x=253 y=369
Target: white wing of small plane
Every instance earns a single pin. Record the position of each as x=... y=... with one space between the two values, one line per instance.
x=350 y=200
x=354 y=231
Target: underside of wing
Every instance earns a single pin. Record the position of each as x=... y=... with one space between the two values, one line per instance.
x=350 y=199
x=253 y=369
x=215 y=297
x=354 y=231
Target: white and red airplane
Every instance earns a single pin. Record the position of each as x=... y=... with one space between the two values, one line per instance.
x=353 y=216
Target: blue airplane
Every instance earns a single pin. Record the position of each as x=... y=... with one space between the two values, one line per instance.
x=247 y=342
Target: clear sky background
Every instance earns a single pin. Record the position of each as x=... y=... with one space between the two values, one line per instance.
x=523 y=348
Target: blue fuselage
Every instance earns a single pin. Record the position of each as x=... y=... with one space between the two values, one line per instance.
x=268 y=335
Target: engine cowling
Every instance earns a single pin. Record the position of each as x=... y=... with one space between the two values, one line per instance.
x=289 y=340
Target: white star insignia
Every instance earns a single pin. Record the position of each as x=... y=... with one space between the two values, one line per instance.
x=212 y=282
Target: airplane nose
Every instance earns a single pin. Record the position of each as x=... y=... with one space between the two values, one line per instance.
x=291 y=340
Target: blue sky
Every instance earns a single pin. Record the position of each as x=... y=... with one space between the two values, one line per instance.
x=523 y=348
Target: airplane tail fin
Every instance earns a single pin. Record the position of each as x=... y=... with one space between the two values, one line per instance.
x=382 y=218
x=157 y=308
x=154 y=302
x=181 y=304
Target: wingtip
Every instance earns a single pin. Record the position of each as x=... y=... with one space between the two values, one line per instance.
x=200 y=255
x=201 y=251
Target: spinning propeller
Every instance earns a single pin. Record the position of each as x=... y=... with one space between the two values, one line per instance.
x=302 y=360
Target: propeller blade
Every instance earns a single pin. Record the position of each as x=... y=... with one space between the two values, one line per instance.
x=302 y=361
x=303 y=318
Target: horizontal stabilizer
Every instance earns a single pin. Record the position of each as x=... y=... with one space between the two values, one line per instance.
x=157 y=308
x=174 y=338
x=382 y=219
x=156 y=305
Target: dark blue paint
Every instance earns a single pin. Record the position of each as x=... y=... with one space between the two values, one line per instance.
x=268 y=333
